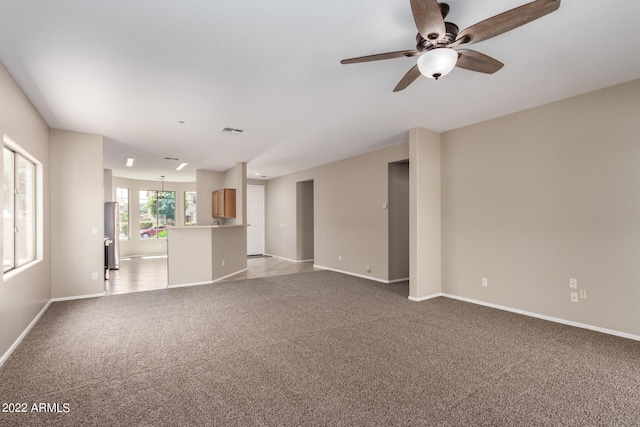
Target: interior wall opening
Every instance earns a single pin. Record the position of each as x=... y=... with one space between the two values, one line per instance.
x=398 y=211
x=304 y=221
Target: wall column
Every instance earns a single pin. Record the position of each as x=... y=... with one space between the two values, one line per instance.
x=241 y=193
x=425 y=251
x=77 y=214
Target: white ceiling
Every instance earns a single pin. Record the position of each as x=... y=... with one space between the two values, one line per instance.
x=131 y=70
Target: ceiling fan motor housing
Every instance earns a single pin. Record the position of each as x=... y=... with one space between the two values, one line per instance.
x=423 y=44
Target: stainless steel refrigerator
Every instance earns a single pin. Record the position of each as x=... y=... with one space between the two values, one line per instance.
x=112 y=232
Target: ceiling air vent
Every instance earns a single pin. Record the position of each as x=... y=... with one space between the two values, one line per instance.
x=232 y=131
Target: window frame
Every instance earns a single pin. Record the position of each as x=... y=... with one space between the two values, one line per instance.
x=195 y=203
x=35 y=210
x=128 y=212
x=155 y=224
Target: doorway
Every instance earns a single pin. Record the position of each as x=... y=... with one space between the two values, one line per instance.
x=255 y=219
x=398 y=221
x=304 y=221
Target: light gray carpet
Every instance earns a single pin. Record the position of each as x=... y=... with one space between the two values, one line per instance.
x=315 y=348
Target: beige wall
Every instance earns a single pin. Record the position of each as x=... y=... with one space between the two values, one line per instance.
x=281 y=212
x=199 y=255
x=425 y=232
x=25 y=294
x=206 y=183
x=349 y=219
x=228 y=244
x=241 y=193
x=135 y=245
x=108 y=192
x=76 y=209
x=535 y=198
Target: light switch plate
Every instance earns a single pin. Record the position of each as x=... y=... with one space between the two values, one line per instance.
x=574 y=297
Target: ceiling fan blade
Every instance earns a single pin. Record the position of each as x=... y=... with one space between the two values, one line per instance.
x=428 y=19
x=506 y=21
x=380 y=56
x=408 y=78
x=476 y=61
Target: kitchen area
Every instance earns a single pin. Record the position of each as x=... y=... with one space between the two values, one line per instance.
x=195 y=254
x=202 y=243
x=208 y=253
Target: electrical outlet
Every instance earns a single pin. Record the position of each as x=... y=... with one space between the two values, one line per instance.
x=573 y=283
x=223 y=263
x=368 y=269
x=574 y=297
x=584 y=294
x=94 y=276
x=339 y=257
x=485 y=282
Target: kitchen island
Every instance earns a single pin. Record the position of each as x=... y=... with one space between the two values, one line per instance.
x=205 y=254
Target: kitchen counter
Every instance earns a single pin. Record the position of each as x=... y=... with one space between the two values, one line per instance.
x=211 y=226
x=198 y=255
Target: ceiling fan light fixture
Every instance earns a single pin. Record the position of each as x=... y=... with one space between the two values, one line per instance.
x=437 y=62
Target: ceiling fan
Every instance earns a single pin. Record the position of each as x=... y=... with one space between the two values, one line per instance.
x=439 y=43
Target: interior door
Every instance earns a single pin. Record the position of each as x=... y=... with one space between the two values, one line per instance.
x=255 y=219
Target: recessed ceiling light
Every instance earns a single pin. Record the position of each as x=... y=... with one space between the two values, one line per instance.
x=181 y=165
x=171 y=158
x=129 y=161
x=181 y=122
x=257 y=174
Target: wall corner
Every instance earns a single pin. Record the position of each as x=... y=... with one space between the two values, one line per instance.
x=425 y=223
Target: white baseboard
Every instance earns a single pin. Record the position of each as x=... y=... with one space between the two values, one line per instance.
x=208 y=282
x=230 y=275
x=164 y=255
x=362 y=276
x=439 y=294
x=101 y=294
x=183 y=285
x=404 y=279
x=24 y=333
x=549 y=318
x=289 y=259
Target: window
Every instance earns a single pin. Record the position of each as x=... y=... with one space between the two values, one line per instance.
x=122 y=197
x=190 y=208
x=19 y=211
x=157 y=211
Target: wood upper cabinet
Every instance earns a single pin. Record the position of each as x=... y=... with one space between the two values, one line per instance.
x=224 y=203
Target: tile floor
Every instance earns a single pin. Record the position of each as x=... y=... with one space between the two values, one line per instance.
x=270 y=266
x=148 y=273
